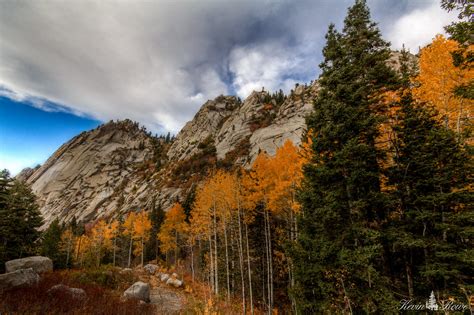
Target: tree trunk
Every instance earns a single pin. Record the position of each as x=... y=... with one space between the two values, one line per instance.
x=115 y=245
x=130 y=252
x=241 y=262
x=143 y=250
x=192 y=263
x=226 y=261
x=216 y=269
x=409 y=277
x=211 y=265
x=68 y=252
x=249 y=269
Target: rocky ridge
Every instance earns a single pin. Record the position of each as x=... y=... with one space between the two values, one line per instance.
x=119 y=167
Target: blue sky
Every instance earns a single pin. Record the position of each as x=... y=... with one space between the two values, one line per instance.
x=65 y=66
x=28 y=135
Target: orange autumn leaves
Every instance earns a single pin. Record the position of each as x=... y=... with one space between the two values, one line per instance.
x=437 y=79
x=100 y=238
x=434 y=86
x=271 y=180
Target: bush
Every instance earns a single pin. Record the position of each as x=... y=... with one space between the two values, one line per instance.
x=37 y=300
x=104 y=276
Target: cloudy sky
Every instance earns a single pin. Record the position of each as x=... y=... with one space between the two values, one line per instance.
x=66 y=66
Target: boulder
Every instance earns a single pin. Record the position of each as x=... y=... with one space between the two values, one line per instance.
x=125 y=270
x=37 y=263
x=76 y=293
x=151 y=268
x=164 y=277
x=22 y=277
x=174 y=281
x=138 y=290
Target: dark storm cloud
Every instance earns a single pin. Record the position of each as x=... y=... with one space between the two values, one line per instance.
x=157 y=62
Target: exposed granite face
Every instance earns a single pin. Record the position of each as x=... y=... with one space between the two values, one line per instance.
x=100 y=173
x=86 y=177
x=259 y=118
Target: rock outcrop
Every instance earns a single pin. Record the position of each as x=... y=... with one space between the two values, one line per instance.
x=174 y=281
x=38 y=263
x=17 y=278
x=139 y=290
x=75 y=293
x=151 y=268
x=119 y=167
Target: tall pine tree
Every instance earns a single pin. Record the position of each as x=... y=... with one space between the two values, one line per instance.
x=431 y=228
x=19 y=219
x=338 y=264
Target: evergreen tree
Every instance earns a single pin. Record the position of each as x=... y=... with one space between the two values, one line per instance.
x=338 y=264
x=431 y=227
x=189 y=201
x=19 y=219
x=51 y=243
x=5 y=227
x=157 y=216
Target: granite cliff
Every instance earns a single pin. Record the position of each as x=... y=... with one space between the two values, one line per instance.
x=120 y=167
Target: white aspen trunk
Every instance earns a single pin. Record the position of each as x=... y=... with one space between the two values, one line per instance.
x=226 y=260
x=68 y=252
x=130 y=252
x=216 y=265
x=176 y=250
x=79 y=248
x=249 y=269
x=115 y=244
x=143 y=250
x=267 y=260
x=241 y=261
x=211 y=268
x=192 y=263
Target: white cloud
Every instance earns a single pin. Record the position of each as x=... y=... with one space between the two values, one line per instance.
x=156 y=62
x=270 y=66
x=417 y=28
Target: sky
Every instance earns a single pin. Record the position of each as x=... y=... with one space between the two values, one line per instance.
x=67 y=66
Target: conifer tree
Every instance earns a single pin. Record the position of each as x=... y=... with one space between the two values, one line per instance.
x=19 y=219
x=430 y=228
x=337 y=256
x=157 y=216
x=50 y=245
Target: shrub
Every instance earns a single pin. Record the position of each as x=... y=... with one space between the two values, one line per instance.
x=37 y=300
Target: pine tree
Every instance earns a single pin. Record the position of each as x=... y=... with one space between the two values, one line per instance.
x=337 y=256
x=430 y=228
x=50 y=245
x=19 y=219
x=157 y=216
x=5 y=227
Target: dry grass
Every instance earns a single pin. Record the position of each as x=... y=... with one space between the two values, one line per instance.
x=37 y=300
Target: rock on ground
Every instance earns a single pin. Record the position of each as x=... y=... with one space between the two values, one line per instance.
x=37 y=263
x=151 y=268
x=139 y=290
x=76 y=293
x=125 y=270
x=22 y=277
x=166 y=301
x=174 y=281
x=164 y=277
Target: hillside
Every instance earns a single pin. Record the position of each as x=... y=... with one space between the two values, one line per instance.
x=119 y=167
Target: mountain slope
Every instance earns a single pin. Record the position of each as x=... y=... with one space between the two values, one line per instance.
x=119 y=167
